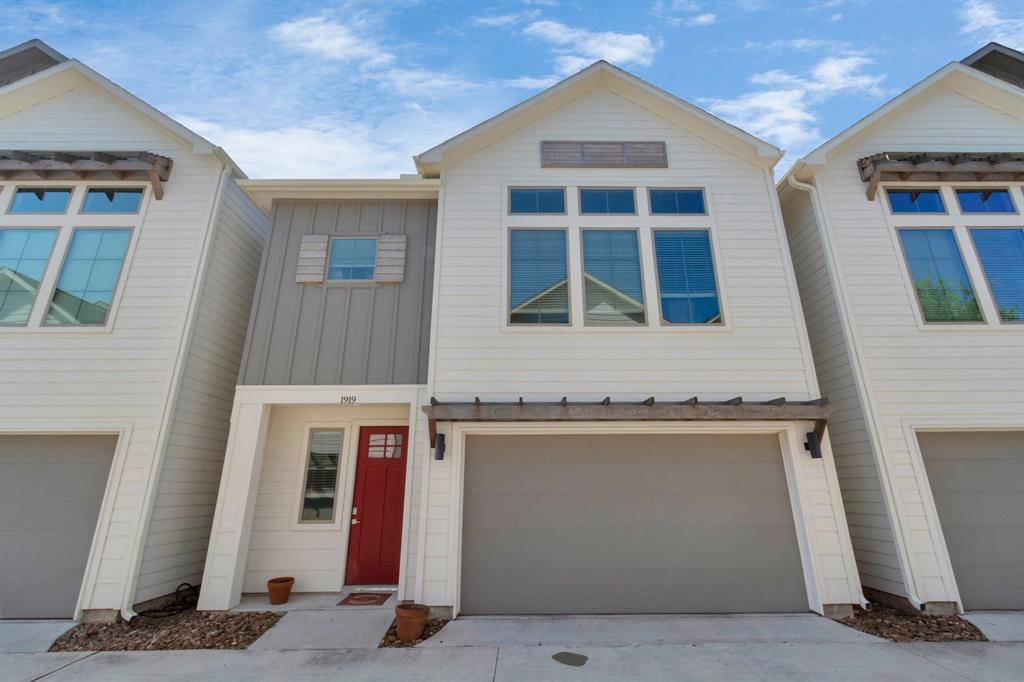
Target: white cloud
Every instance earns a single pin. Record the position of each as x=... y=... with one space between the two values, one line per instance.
x=784 y=112
x=532 y=83
x=502 y=20
x=984 y=23
x=801 y=44
x=705 y=19
x=423 y=83
x=836 y=17
x=582 y=46
x=330 y=39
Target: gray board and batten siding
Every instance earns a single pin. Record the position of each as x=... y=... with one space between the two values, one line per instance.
x=341 y=333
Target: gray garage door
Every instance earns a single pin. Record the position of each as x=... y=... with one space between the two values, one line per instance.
x=977 y=480
x=51 y=488
x=628 y=524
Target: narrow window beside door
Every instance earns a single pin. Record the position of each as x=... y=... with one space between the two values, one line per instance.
x=320 y=489
x=538 y=277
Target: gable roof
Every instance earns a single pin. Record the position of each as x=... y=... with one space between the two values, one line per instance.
x=26 y=59
x=999 y=61
x=977 y=84
x=62 y=76
x=600 y=74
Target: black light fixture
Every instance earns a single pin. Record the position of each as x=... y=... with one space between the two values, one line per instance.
x=813 y=445
x=439 y=446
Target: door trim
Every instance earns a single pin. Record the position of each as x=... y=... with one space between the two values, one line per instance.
x=791 y=451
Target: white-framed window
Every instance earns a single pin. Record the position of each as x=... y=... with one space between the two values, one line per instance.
x=351 y=259
x=320 y=494
x=687 y=280
x=613 y=287
x=63 y=253
x=538 y=277
x=944 y=290
x=607 y=201
x=536 y=200
x=1001 y=253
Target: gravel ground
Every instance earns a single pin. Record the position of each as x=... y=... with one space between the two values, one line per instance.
x=391 y=638
x=186 y=630
x=883 y=621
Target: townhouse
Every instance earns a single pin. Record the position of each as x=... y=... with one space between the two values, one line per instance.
x=907 y=237
x=128 y=259
x=561 y=369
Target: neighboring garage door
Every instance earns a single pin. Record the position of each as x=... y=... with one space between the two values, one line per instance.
x=977 y=480
x=628 y=524
x=51 y=488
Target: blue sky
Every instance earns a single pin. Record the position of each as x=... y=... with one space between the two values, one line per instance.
x=353 y=89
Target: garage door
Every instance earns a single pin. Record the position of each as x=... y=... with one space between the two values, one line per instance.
x=977 y=480
x=51 y=488
x=628 y=524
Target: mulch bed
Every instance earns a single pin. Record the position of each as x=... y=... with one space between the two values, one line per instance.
x=189 y=629
x=884 y=621
x=391 y=638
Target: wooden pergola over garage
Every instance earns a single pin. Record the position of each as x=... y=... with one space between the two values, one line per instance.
x=84 y=165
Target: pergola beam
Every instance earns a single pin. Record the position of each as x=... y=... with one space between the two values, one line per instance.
x=87 y=165
x=939 y=167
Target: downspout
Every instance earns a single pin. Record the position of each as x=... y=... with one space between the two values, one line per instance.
x=870 y=420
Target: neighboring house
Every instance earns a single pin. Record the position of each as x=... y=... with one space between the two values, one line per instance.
x=907 y=236
x=128 y=259
x=562 y=370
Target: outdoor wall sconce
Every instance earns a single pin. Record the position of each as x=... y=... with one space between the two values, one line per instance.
x=813 y=445
x=439 y=446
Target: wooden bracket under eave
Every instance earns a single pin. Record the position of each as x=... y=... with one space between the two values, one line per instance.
x=876 y=177
x=432 y=429
x=819 y=428
x=157 y=184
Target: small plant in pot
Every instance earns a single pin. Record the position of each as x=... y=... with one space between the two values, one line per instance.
x=279 y=589
x=410 y=621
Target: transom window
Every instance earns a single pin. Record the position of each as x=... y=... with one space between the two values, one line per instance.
x=88 y=277
x=538 y=277
x=320 y=487
x=943 y=288
x=915 y=201
x=677 y=201
x=1001 y=252
x=527 y=200
x=384 y=446
x=112 y=201
x=686 y=277
x=613 y=291
x=984 y=201
x=607 y=200
x=40 y=200
x=23 y=258
x=352 y=259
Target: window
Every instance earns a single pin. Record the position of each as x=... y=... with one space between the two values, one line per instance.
x=538 y=277
x=613 y=290
x=320 y=488
x=23 y=258
x=607 y=201
x=940 y=280
x=1001 y=252
x=686 y=277
x=915 y=201
x=112 y=201
x=536 y=200
x=984 y=201
x=384 y=446
x=89 y=277
x=352 y=259
x=40 y=201
x=677 y=201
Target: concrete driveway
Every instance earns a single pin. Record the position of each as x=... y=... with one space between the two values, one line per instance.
x=741 y=648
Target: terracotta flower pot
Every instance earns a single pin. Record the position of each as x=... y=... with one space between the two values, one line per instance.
x=279 y=589
x=410 y=620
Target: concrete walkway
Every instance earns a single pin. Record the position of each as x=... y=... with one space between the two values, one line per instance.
x=31 y=636
x=758 y=662
x=999 y=626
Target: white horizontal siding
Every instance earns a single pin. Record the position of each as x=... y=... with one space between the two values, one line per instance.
x=914 y=375
x=122 y=377
x=175 y=550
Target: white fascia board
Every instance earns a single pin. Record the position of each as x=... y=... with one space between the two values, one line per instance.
x=264 y=192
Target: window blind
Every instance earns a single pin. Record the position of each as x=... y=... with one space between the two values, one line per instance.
x=943 y=287
x=613 y=288
x=538 y=277
x=1001 y=252
x=320 y=491
x=686 y=277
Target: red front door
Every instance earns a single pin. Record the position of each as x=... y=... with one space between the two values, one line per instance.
x=375 y=536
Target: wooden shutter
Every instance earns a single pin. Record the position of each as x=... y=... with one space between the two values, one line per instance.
x=390 y=266
x=566 y=154
x=312 y=258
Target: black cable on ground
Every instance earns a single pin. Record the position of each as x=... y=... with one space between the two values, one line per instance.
x=185 y=599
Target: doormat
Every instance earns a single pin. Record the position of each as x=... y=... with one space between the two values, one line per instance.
x=365 y=599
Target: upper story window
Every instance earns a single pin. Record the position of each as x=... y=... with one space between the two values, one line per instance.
x=984 y=201
x=320 y=487
x=686 y=277
x=677 y=201
x=607 y=201
x=538 y=277
x=40 y=200
x=915 y=201
x=112 y=201
x=527 y=200
x=89 y=276
x=1001 y=252
x=352 y=259
x=23 y=258
x=613 y=291
x=943 y=288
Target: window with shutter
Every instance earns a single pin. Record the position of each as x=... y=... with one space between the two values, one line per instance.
x=312 y=259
